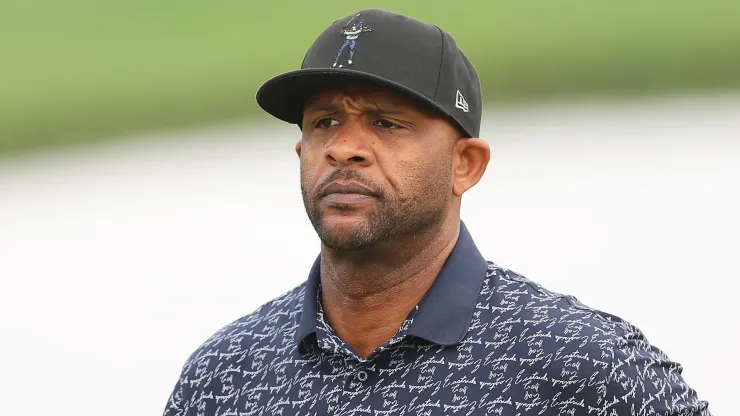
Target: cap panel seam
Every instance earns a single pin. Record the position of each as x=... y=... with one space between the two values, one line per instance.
x=441 y=60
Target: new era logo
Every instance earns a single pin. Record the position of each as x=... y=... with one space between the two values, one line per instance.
x=460 y=102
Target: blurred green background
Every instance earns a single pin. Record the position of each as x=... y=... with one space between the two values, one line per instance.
x=80 y=71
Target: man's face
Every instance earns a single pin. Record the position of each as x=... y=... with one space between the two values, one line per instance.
x=374 y=166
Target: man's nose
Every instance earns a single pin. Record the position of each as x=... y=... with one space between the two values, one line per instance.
x=350 y=146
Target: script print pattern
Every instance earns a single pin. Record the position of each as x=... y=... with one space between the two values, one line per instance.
x=528 y=351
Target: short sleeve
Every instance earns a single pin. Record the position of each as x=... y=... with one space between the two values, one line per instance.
x=176 y=403
x=643 y=381
x=181 y=398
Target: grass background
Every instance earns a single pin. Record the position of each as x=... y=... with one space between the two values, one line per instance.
x=83 y=70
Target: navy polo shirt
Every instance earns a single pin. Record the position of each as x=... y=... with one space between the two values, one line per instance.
x=483 y=341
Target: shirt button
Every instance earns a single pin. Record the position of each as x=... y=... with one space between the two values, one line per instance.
x=362 y=375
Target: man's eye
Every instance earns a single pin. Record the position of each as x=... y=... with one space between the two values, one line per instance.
x=386 y=124
x=325 y=123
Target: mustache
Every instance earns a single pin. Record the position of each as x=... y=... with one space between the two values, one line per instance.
x=351 y=175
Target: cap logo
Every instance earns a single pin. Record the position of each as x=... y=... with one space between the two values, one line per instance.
x=460 y=102
x=351 y=31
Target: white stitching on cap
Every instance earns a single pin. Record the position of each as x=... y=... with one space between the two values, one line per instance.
x=460 y=102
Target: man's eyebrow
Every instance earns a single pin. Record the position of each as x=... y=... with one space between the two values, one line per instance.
x=391 y=110
x=331 y=106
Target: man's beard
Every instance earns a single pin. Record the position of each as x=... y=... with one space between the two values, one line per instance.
x=391 y=217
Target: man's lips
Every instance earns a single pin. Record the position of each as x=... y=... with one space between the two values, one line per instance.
x=346 y=187
x=346 y=192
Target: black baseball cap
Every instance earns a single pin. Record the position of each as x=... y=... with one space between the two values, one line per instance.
x=414 y=58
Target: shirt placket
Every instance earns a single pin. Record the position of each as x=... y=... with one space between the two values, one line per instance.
x=358 y=373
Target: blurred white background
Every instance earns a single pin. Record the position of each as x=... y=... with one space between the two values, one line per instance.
x=117 y=261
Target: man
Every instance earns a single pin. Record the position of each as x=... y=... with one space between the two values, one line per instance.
x=400 y=314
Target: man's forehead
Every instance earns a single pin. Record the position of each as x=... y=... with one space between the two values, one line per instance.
x=361 y=95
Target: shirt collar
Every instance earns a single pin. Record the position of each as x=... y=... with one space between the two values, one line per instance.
x=447 y=308
x=309 y=318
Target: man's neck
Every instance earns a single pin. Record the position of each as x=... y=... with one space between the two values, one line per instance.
x=367 y=295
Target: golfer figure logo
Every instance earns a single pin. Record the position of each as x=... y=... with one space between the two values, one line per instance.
x=351 y=34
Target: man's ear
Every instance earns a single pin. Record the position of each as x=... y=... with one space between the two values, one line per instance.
x=470 y=162
x=298 y=148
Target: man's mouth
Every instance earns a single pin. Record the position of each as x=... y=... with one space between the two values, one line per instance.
x=347 y=192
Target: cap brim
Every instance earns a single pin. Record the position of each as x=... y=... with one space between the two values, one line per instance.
x=285 y=95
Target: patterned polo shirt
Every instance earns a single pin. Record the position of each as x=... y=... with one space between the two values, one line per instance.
x=483 y=341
